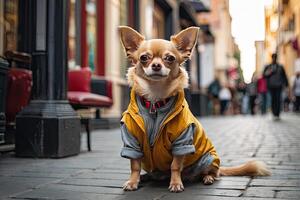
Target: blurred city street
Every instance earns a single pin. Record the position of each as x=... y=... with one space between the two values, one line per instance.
x=99 y=174
x=70 y=70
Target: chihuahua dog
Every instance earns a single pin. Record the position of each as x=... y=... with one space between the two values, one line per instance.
x=160 y=134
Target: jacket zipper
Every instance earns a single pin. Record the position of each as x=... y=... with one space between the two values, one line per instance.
x=159 y=131
x=165 y=122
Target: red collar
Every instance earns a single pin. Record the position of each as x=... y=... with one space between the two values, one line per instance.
x=154 y=106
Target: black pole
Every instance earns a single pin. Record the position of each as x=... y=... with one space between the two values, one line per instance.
x=25 y=20
x=48 y=126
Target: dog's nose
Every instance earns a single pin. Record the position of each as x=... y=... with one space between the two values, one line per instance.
x=156 y=67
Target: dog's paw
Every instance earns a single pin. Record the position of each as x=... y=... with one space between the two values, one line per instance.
x=176 y=187
x=130 y=185
x=208 y=180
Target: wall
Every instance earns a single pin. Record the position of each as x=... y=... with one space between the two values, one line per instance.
x=207 y=64
x=289 y=30
x=219 y=20
x=260 y=56
x=112 y=55
x=113 y=47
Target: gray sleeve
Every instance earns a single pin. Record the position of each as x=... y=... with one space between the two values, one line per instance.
x=131 y=148
x=184 y=143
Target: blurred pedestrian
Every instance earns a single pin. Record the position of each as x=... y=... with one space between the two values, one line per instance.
x=262 y=93
x=296 y=91
x=213 y=93
x=244 y=99
x=252 y=92
x=286 y=100
x=225 y=98
x=276 y=81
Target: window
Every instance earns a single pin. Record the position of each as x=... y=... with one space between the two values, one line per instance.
x=91 y=32
x=72 y=36
x=158 y=22
x=8 y=25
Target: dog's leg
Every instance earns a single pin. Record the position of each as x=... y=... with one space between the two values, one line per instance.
x=176 y=168
x=211 y=174
x=133 y=182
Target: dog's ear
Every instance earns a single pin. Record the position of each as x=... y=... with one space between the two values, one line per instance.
x=130 y=39
x=185 y=41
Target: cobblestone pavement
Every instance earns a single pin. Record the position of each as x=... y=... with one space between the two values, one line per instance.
x=99 y=174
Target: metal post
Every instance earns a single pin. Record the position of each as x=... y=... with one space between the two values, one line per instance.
x=48 y=126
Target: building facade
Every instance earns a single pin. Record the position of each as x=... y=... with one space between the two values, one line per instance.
x=93 y=39
x=271 y=27
x=8 y=25
x=219 y=20
x=282 y=24
x=289 y=35
x=260 y=60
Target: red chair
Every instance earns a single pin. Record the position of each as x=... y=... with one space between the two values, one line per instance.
x=18 y=92
x=80 y=96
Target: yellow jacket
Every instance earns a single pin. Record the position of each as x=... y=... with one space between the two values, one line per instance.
x=159 y=157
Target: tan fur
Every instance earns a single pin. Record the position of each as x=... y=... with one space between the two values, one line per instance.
x=184 y=41
x=160 y=84
x=157 y=90
x=174 y=77
x=251 y=168
x=176 y=168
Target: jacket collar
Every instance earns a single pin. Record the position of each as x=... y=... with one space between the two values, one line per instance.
x=133 y=107
x=153 y=106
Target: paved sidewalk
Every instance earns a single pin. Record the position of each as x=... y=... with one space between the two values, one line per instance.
x=100 y=174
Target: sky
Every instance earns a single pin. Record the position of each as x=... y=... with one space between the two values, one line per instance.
x=248 y=26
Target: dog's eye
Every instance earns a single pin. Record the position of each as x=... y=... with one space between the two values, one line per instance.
x=170 y=58
x=144 y=58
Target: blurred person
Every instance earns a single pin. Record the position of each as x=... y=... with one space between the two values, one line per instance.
x=252 y=92
x=225 y=98
x=243 y=97
x=213 y=93
x=296 y=91
x=286 y=97
x=276 y=81
x=235 y=101
x=235 y=98
x=262 y=93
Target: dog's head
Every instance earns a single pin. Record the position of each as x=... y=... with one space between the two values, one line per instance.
x=158 y=59
x=157 y=72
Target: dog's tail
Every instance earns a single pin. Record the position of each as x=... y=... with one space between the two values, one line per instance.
x=250 y=168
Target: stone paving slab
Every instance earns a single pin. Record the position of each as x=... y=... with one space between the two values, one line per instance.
x=103 y=175
x=288 y=194
x=274 y=188
x=260 y=192
x=12 y=185
x=100 y=174
x=276 y=183
x=94 y=182
x=49 y=193
x=204 y=197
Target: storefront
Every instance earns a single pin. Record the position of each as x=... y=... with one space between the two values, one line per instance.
x=8 y=25
x=163 y=19
x=86 y=27
x=8 y=41
x=93 y=39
